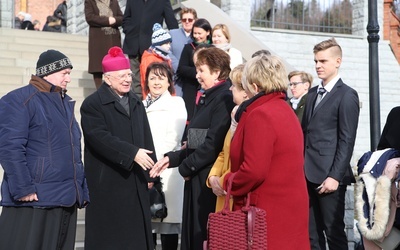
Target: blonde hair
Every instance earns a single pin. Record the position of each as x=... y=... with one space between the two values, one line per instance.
x=236 y=76
x=267 y=72
x=305 y=77
x=224 y=30
x=327 y=44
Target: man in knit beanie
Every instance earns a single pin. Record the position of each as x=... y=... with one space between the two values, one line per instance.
x=119 y=151
x=158 y=52
x=40 y=152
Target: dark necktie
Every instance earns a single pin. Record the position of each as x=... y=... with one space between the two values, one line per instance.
x=320 y=94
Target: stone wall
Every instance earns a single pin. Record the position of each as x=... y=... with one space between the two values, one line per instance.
x=296 y=49
x=239 y=10
x=6 y=13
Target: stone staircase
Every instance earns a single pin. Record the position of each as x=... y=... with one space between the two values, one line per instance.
x=19 y=51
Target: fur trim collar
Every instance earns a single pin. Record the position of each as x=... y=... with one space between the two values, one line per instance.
x=372 y=205
x=373 y=193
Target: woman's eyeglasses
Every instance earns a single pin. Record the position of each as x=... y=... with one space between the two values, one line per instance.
x=294 y=84
x=187 y=20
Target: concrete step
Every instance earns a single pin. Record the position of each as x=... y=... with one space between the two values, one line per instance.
x=29 y=58
x=7 y=34
x=7 y=62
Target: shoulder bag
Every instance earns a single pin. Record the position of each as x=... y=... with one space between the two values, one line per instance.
x=242 y=229
x=196 y=137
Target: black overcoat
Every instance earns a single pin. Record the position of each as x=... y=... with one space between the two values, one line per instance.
x=187 y=77
x=139 y=18
x=118 y=216
x=212 y=113
x=390 y=137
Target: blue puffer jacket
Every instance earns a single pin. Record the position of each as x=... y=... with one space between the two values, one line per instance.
x=40 y=148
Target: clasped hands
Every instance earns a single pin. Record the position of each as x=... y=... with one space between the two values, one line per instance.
x=159 y=167
x=146 y=163
x=143 y=159
x=215 y=186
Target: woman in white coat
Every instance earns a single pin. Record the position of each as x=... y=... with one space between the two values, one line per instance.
x=221 y=38
x=167 y=118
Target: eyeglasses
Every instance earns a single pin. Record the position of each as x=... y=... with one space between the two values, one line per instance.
x=187 y=20
x=122 y=77
x=294 y=84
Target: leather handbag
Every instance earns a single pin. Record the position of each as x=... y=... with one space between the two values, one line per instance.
x=196 y=137
x=241 y=229
x=158 y=208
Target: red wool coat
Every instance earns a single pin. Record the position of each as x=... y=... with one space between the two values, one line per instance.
x=267 y=156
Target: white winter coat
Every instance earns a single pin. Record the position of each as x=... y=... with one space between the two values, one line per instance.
x=167 y=119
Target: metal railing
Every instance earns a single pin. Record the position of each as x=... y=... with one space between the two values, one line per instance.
x=332 y=16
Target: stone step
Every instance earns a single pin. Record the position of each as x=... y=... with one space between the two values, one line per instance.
x=46 y=38
x=7 y=62
x=29 y=58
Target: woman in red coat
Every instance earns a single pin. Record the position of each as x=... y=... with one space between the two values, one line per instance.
x=267 y=156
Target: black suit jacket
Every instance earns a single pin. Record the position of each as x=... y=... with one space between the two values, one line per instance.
x=329 y=134
x=139 y=18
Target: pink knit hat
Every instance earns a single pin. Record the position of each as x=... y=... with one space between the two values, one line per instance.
x=115 y=60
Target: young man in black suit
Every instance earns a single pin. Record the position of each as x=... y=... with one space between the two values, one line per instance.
x=329 y=125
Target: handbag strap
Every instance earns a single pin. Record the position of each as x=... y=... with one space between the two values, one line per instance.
x=228 y=194
x=251 y=222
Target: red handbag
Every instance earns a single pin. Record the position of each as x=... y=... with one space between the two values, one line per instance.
x=241 y=229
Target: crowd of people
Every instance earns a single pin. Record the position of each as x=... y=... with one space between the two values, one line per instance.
x=180 y=108
x=57 y=22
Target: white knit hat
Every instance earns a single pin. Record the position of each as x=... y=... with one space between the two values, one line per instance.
x=160 y=36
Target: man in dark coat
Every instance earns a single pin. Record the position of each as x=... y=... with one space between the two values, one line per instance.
x=40 y=151
x=118 y=150
x=139 y=18
x=299 y=84
x=61 y=13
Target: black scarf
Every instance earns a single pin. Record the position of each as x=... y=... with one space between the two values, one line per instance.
x=242 y=108
x=124 y=100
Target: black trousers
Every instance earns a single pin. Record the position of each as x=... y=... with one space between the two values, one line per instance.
x=327 y=216
x=27 y=228
x=168 y=241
